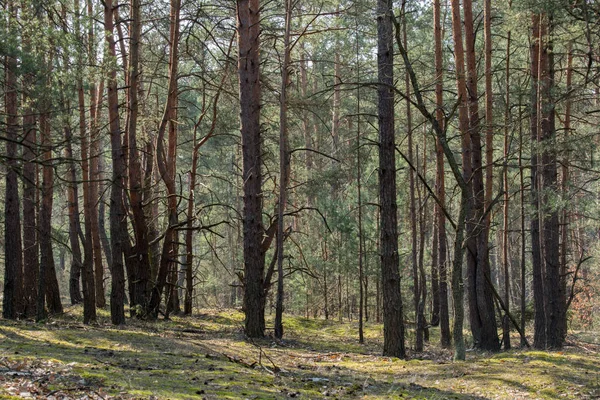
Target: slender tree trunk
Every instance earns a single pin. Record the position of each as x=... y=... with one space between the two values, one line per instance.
x=284 y=169
x=539 y=338
x=554 y=300
x=457 y=284
x=51 y=290
x=117 y=211
x=393 y=325
x=412 y=207
x=361 y=256
x=13 y=304
x=505 y=219
x=30 y=242
x=74 y=222
x=440 y=185
x=87 y=270
x=166 y=166
x=141 y=268
x=522 y=205
x=565 y=182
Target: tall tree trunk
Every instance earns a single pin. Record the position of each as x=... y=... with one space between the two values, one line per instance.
x=393 y=325
x=74 y=222
x=13 y=303
x=505 y=225
x=49 y=288
x=284 y=168
x=117 y=211
x=466 y=192
x=362 y=282
x=166 y=166
x=250 y=98
x=141 y=267
x=87 y=271
x=481 y=302
x=522 y=204
x=539 y=338
x=440 y=219
x=89 y=294
x=94 y=111
x=565 y=182
x=30 y=240
x=554 y=296
x=412 y=200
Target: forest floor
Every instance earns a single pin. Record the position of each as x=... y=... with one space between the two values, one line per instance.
x=207 y=357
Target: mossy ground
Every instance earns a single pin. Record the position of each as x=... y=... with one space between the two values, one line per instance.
x=208 y=357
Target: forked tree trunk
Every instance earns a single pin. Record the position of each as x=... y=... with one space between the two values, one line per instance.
x=480 y=294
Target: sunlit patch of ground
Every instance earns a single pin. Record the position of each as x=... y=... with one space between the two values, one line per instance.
x=207 y=356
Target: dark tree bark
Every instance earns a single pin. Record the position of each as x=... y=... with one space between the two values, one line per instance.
x=505 y=215
x=74 y=222
x=31 y=252
x=284 y=169
x=13 y=304
x=442 y=241
x=480 y=294
x=95 y=178
x=48 y=280
x=117 y=211
x=87 y=272
x=250 y=98
x=554 y=296
x=393 y=325
x=539 y=334
x=565 y=183
x=141 y=267
x=412 y=201
x=166 y=167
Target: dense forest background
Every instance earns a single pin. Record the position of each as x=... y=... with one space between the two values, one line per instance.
x=382 y=146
